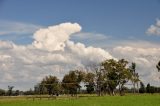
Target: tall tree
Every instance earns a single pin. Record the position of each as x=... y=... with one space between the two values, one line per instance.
x=142 y=88
x=110 y=74
x=124 y=74
x=10 y=90
x=99 y=81
x=134 y=77
x=148 y=88
x=115 y=73
x=137 y=80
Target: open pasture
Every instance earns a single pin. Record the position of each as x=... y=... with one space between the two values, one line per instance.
x=128 y=100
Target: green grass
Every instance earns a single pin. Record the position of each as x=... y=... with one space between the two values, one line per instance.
x=129 y=100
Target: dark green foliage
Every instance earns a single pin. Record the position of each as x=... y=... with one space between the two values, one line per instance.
x=71 y=81
x=90 y=87
x=29 y=92
x=115 y=74
x=10 y=90
x=51 y=83
x=152 y=89
x=89 y=80
x=142 y=88
x=40 y=89
x=16 y=93
x=2 y=92
x=148 y=88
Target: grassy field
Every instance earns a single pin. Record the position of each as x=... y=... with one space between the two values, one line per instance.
x=129 y=100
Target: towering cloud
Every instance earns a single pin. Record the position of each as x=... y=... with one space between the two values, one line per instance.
x=54 y=37
x=52 y=52
x=56 y=41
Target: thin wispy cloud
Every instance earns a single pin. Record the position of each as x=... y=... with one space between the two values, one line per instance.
x=17 y=28
x=90 y=36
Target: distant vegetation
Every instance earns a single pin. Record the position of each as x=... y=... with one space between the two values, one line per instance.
x=110 y=77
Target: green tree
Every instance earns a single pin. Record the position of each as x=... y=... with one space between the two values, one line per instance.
x=111 y=76
x=100 y=80
x=89 y=80
x=124 y=75
x=10 y=90
x=2 y=92
x=115 y=73
x=148 y=88
x=29 y=92
x=71 y=81
x=134 y=77
x=17 y=92
x=152 y=89
x=80 y=77
x=40 y=89
x=51 y=83
x=142 y=88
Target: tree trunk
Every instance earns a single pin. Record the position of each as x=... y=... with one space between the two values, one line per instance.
x=137 y=88
x=134 y=87
x=121 y=92
x=119 y=87
x=113 y=93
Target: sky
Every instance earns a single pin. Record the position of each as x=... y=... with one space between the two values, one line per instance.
x=51 y=37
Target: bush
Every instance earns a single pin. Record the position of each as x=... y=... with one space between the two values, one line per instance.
x=152 y=89
x=2 y=92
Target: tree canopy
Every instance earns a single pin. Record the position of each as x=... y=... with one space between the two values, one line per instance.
x=51 y=83
x=116 y=74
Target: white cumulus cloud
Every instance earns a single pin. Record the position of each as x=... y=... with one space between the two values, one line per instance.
x=51 y=52
x=54 y=37
x=146 y=59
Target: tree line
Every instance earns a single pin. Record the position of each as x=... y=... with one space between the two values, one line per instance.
x=148 y=88
x=9 y=92
x=109 y=77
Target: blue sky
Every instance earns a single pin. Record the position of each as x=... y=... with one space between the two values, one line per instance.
x=121 y=19
x=128 y=29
